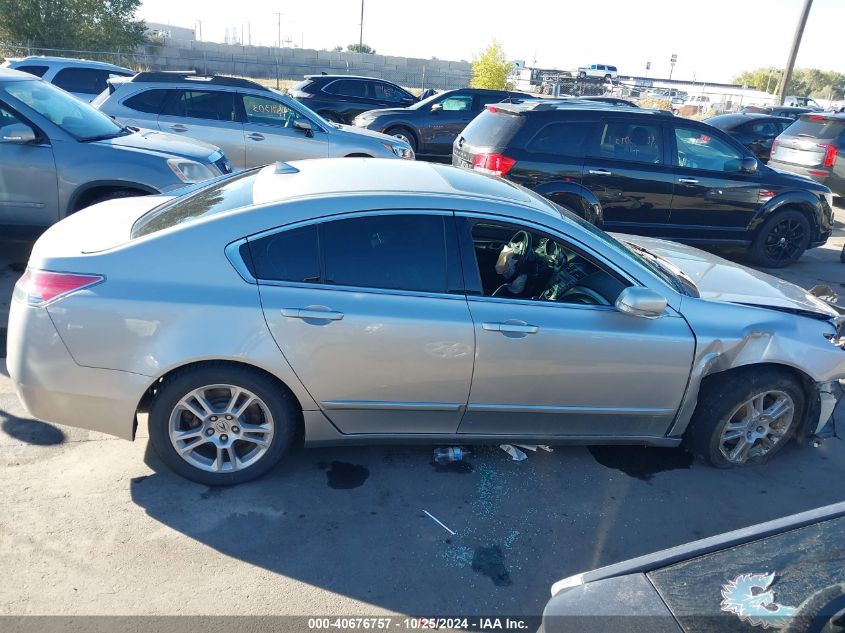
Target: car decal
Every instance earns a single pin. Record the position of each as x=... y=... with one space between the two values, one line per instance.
x=749 y=598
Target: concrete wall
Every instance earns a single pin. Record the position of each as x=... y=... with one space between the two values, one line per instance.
x=263 y=62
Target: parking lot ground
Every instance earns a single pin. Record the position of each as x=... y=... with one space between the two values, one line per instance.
x=96 y=525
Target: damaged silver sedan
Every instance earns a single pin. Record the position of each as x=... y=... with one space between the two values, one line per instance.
x=364 y=301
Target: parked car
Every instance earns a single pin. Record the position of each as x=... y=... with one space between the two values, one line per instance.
x=601 y=71
x=699 y=103
x=755 y=131
x=340 y=98
x=253 y=124
x=430 y=126
x=811 y=147
x=59 y=155
x=648 y=172
x=82 y=78
x=784 y=575
x=375 y=300
x=790 y=112
x=802 y=102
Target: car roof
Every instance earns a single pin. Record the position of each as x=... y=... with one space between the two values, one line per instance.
x=574 y=104
x=70 y=61
x=10 y=74
x=348 y=77
x=725 y=121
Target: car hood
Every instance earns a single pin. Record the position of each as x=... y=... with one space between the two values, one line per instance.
x=721 y=280
x=152 y=141
x=351 y=129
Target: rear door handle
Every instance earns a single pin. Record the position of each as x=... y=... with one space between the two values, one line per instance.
x=514 y=328
x=179 y=128
x=312 y=313
x=255 y=136
x=688 y=181
x=600 y=172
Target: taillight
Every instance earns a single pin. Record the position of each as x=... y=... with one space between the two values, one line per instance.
x=493 y=164
x=829 y=159
x=40 y=287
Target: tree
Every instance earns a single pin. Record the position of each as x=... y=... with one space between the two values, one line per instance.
x=72 y=24
x=361 y=48
x=337 y=49
x=806 y=82
x=491 y=68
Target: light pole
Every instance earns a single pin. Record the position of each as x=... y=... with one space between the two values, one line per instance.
x=793 y=52
x=361 y=30
x=672 y=61
x=279 y=26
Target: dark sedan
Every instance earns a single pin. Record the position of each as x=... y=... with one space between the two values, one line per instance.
x=431 y=126
x=755 y=131
x=790 y=112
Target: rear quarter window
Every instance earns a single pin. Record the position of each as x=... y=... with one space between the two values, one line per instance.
x=492 y=129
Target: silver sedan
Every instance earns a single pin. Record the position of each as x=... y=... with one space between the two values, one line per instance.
x=362 y=301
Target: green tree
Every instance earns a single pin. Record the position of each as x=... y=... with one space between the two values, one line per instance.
x=491 y=68
x=72 y=24
x=806 y=82
x=361 y=48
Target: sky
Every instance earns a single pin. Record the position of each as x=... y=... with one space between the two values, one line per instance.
x=713 y=39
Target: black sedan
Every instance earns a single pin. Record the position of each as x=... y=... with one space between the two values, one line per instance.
x=431 y=126
x=755 y=131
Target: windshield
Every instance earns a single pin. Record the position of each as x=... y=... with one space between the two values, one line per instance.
x=76 y=118
x=431 y=99
x=664 y=269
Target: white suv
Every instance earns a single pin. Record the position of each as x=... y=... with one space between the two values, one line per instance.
x=600 y=71
x=82 y=78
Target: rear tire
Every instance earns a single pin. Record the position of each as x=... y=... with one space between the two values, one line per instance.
x=403 y=134
x=782 y=239
x=723 y=413
x=224 y=441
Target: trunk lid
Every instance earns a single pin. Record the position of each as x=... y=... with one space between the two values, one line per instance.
x=489 y=131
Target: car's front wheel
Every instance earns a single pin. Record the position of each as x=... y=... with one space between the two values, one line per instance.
x=782 y=239
x=745 y=416
x=218 y=424
x=403 y=134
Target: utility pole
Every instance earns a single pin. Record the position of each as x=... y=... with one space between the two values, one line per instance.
x=672 y=62
x=199 y=30
x=279 y=25
x=361 y=31
x=793 y=53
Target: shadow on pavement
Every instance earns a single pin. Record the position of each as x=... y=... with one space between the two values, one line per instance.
x=31 y=431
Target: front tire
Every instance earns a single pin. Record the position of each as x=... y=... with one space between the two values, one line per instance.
x=221 y=425
x=403 y=134
x=745 y=416
x=782 y=239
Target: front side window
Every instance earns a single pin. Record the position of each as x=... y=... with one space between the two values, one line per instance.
x=561 y=139
x=394 y=252
x=521 y=263
x=78 y=119
x=264 y=111
x=698 y=149
x=388 y=92
x=84 y=80
x=7 y=117
x=211 y=105
x=457 y=103
x=630 y=141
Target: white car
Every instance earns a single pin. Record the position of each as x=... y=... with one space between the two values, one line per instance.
x=82 y=78
x=601 y=71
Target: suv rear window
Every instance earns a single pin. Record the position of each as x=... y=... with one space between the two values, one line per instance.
x=149 y=101
x=492 y=129
x=816 y=128
x=232 y=193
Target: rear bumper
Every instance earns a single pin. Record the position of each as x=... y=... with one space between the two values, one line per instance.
x=54 y=388
x=832 y=180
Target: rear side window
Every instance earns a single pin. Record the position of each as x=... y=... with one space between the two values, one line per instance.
x=38 y=71
x=347 y=88
x=396 y=252
x=816 y=128
x=561 y=139
x=634 y=141
x=287 y=256
x=149 y=101
x=492 y=129
x=212 y=105
x=84 y=80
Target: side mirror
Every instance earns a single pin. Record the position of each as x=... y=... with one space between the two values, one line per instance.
x=437 y=107
x=18 y=133
x=305 y=126
x=748 y=165
x=641 y=302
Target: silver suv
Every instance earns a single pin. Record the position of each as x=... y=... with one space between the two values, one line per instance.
x=82 y=78
x=58 y=155
x=254 y=125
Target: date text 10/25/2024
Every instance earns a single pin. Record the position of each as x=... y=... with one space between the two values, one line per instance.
x=418 y=623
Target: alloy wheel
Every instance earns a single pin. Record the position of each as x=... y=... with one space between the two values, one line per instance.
x=756 y=426
x=221 y=428
x=784 y=240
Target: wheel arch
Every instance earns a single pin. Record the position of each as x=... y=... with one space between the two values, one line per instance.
x=801 y=201
x=91 y=189
x=574 y=197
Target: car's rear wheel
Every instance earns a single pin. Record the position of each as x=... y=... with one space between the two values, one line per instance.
x=221 y=425
x=745 y=416
x=782 y=239
x=403 y=134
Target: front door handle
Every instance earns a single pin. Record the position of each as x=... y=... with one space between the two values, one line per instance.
x=316 y=313
x=179 y=128
x=600 y=172
x=255 y=136
x=511 y=327
x=688 y=181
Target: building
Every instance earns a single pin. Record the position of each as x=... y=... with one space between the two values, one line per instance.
x=170 y=32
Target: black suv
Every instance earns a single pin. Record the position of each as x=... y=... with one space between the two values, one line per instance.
x=340 y=98
x=651 y=173
x=431 y=126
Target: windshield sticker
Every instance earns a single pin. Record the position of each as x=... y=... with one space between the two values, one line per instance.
x=748 y=597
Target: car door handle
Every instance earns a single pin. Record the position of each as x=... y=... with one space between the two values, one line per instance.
x=255 y=136
x=510 y=327
x=179 y=128
x=688 y=181
x=600 y=172
x=323 y=314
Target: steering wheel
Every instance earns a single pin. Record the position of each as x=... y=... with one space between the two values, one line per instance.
x=520 y=246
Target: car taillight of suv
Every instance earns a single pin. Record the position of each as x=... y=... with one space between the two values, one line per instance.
x=492 y=164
